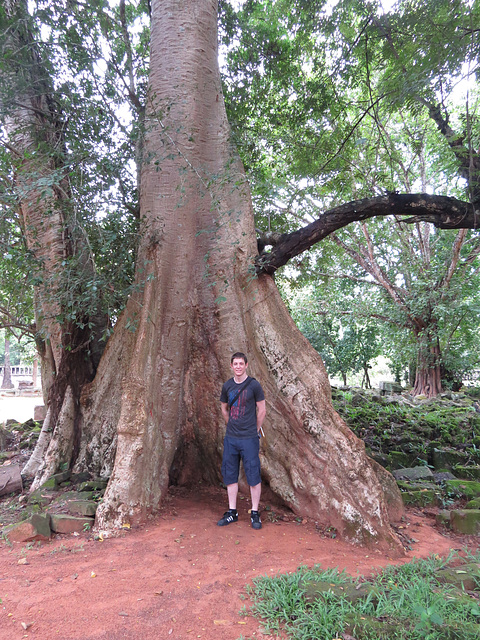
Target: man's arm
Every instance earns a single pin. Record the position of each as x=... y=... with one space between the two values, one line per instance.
x=261 y=413
x=225 y=411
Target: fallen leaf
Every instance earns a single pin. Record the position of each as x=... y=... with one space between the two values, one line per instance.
x=124 y=614
x=126 y=525
x=26 y=625
x=158 y=593
x=222 y=622
x=23 y=561
x=93 y=574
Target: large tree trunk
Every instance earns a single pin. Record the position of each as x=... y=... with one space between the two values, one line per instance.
x=152 y=414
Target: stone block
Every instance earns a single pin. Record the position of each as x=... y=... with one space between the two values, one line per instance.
x=37 y=527
x=465 y=576
x=82 y=507
x=465 y=521
x=386 y=387
x=77 y=478
x=413 y=474
x=463 y=488
x=470 y=472
x=39 y=413
x=443 y=518
x=441 y=476
x=62 y=523
x=40 y=497
x=420 y=497
x=316 y=589
x=473 y=504
x=94 y=485
x=56 y=480
x=401 y=460
x=448 y=458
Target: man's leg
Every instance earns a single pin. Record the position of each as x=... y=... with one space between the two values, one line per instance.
x=232 y=492
x=255 y=493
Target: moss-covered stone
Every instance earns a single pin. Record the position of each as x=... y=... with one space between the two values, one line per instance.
x=473 y=504
x=62 y=523
x=463 y=488
x=401 y=459
x=443 y=518
x=448 y=458
x=363 y=627
x=465 y=521
x=420 y=497
x=37 y=527
x=93 y=485
x=54 y=482
x=470 y=472
x=465 y=576
x=41 y=497
x=82 y=507
x=315 y=589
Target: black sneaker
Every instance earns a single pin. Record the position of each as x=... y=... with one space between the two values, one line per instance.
x=228 y=517
x=255 y=520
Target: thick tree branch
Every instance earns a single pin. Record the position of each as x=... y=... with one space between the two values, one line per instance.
x=442 y=211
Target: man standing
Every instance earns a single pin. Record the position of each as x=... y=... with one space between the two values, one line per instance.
x=243 y=408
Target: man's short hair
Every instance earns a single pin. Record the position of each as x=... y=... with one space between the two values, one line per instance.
x=239 y=354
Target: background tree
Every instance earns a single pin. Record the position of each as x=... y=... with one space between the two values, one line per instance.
x=373 y=114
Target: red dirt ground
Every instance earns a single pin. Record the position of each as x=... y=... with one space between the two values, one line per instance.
x=178 y=577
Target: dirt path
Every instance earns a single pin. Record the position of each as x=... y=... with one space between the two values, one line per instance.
x=179 y=577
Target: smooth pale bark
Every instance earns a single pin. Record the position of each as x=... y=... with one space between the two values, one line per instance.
x=157 y=387
x=7 y=368
x=69 y=354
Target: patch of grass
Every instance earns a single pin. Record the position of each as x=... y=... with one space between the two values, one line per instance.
x=405 y=602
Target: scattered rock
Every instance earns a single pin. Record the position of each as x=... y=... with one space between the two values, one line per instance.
x=389 y=387
x=54 y=482
x=442 y=476
x=470 y=472
x=10 y=480
x=465 y=521
x=463 y=488
x=39 y=413
x=62 y=523
x=82 y=507
x=94 y=485
x=466 y=576
x=37 y=527
x=414 y=473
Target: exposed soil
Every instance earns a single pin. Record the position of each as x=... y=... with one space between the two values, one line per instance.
x=180 y=576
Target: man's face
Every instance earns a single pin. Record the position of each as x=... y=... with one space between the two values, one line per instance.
x=239 y=367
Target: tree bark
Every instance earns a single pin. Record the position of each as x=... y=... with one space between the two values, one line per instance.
x=69 y=354
x=7 y=369
x=442 y=211
x=428 y=373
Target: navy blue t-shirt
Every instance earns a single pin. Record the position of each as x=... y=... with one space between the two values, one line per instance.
x=242 y=422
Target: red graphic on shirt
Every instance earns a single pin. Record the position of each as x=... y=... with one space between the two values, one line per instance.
x=238 y=409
